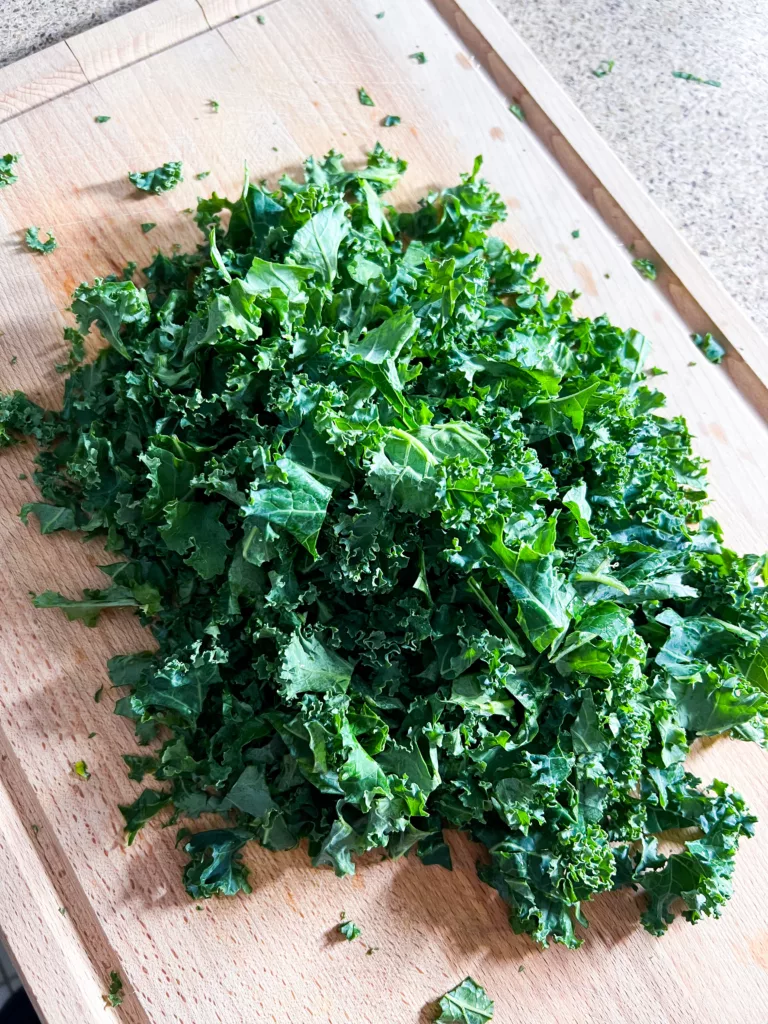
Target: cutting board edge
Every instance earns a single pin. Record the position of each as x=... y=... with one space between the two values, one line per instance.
x=605 y=182
x=57 y=945
x=86 y=57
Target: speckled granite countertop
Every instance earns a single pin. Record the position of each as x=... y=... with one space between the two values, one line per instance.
x=700 y=151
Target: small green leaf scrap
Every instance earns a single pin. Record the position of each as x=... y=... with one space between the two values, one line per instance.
x=575 y=233
x=465 y=1004
x=8 y=173
x=147 y=226
x=390 y=121
x=709 y=346
x=261 y=19
x=80 y=768
x=201 y=175
x=380 y=15
x=161 y=179
x=605 y=67
x=102 y=118
x=349 y=930
x=420 y=57
x=98 y=693
x=688 y=77
x=35 y=242
x=646 y=267
x=214 y=105
x=517 y=110
x=114 y=996
x=364 y=98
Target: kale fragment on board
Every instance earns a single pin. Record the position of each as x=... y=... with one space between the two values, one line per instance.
x=710 y=347
x=8 y=175
x=349 y=930
x=161 y=179
x=36 y=243
x=468 y=1003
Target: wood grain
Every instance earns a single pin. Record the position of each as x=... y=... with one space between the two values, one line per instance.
x=35 y=79
x=138 y=34
x=218 y=11
x=292 y=84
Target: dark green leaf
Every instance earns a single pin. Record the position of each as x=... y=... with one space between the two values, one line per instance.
x=161 y=179
x=467 y=1004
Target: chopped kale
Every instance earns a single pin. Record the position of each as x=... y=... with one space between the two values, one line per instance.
x=419 y=57
x=364 y=98
x=390 y=121
x=8 y=175
x=349 y=930
x=688 y=77
x=162 y=179
x=465 y=1004
x=710 y=347
x=517 y=110
x=605 y=67
x=35 y=242
x=102 y=118
x=646 y=267
x=147 y=226
x=114 y=996
x=418 y=550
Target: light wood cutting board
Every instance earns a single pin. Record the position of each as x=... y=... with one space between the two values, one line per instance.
x=75 y=903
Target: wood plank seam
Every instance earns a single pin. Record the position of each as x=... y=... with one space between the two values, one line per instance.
x=747 y=354
x=77 y=61
x=257 y=5
x=34 y=80
x=116 y=25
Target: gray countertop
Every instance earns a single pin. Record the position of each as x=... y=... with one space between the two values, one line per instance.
x=700 y=151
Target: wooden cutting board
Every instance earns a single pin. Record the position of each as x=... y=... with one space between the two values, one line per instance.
x=75 y=903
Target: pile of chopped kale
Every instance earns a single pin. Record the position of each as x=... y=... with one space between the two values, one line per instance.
x=418 y=549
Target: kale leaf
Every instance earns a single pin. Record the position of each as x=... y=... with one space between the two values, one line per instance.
x=349 y=930
x=465 y=1004
x=418 y=549
x=36 y=243
x=114 y=996
x=8 y=175
x=161 y=179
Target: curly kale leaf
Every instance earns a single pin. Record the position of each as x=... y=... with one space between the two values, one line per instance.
x=36 y=243
x=8 y=175
x=161 y=179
